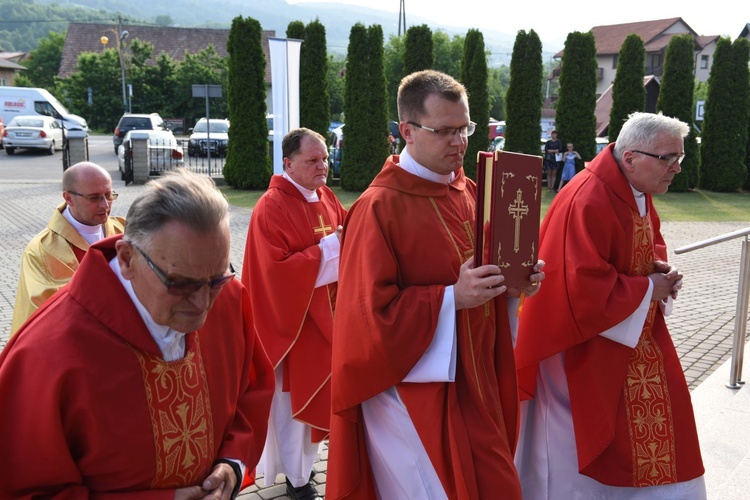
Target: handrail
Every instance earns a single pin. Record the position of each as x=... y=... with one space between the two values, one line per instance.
x=713 y=241
x=743 y=293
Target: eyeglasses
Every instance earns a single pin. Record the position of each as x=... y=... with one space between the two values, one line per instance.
x=464 y=131
x=97 y=198
x=670 y=159
x=183 y=288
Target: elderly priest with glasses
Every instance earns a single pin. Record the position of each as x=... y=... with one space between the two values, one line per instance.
x=608 y=412
x=142 y=377
x=53 y=255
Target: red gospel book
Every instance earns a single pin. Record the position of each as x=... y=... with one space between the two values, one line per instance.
x=509 y=203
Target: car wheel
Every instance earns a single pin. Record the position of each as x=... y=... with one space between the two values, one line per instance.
x=10 y=150
x=51 y=149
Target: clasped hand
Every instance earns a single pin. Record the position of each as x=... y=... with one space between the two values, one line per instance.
x=667 y=281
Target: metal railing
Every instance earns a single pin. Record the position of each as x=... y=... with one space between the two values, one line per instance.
x=743 y=292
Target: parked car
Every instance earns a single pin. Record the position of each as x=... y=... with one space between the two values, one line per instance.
x=164 y=152
x=130 y=121
x=209 y=135
x=33 y=132
x=497 y=144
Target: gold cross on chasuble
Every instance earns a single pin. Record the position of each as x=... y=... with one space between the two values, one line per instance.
x=322 y=228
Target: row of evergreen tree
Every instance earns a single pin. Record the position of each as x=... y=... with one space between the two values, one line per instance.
x=721 y=163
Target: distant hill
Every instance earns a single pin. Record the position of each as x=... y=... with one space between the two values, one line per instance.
x=273 y=15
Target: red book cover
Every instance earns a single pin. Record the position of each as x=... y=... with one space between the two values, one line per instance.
x=509 y=203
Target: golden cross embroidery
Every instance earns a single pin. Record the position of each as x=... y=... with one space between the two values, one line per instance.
x=517 y=209
x=322 y=228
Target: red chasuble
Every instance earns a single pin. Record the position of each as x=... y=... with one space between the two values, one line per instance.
x=632 y=415
x=404 y=241
x=90 y=408
x=293 y=319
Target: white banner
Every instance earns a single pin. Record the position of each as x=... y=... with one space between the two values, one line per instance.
x=285 y=55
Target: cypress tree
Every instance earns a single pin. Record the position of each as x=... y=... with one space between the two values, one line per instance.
x=628 y=91
x=315 y=104
x=296 y=29
x=676 y=100
x=366 y=130
x=575 y=118
x=474 y=77
x=523 y=100
x=724 y=137
x=418 y=49
x=248 y=164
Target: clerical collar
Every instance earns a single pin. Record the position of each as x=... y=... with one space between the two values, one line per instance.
x=171 y=342
x=640 y=200
x=310 y=196
x=410 y=165
x=91 y=234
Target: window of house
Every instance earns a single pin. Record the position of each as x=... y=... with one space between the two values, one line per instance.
x=704 y=62
x=3 y=82
x=614 y=62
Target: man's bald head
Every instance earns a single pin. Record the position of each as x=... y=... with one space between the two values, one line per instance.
x=83 y=181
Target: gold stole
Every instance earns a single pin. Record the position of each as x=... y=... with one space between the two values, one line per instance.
x=178 y=400
x=647 y=402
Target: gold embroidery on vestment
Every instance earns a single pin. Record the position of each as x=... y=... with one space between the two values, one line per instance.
x=180 y=408
x=647 y=402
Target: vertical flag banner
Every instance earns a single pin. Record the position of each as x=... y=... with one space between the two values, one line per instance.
x=285 y=55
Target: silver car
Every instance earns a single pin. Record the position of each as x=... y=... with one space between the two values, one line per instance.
x=33 y=132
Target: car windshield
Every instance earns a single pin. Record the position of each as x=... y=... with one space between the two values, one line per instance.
x=216 y=127
x=27 y=123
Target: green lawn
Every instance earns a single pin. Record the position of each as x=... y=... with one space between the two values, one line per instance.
x=699 y=206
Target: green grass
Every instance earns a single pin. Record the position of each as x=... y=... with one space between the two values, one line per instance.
x=698 y=206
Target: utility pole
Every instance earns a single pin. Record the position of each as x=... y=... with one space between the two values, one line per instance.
x=401 y=17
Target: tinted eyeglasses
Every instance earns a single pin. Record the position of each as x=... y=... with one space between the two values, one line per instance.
x=670 y=159
x=464 y=131
x=97 y=198
x=183 y=288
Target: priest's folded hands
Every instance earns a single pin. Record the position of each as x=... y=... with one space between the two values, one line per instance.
x=475 y=286
x=667 y=281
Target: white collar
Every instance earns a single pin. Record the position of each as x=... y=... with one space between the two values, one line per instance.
x=310 y=195
x=410 y=165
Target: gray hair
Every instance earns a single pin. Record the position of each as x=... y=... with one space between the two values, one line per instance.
x=646 y=130
x=190 y=199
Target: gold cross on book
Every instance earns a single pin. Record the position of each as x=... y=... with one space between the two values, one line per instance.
x=518 y=210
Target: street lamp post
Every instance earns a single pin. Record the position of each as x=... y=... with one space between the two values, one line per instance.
x=122 y=36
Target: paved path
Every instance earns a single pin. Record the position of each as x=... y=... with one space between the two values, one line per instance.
x=701 y=324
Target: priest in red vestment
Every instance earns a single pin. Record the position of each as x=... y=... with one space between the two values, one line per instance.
x=291 y=269
x=423 y=381
x=611 y=415
x=142 y=377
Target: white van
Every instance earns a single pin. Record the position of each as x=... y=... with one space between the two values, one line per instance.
x=15 y=101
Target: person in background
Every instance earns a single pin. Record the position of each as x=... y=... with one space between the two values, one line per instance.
x=569 y=166
x=551 y=164
x=607 y=411
x=142 y=378
x=291 y=269
x=53 y=255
